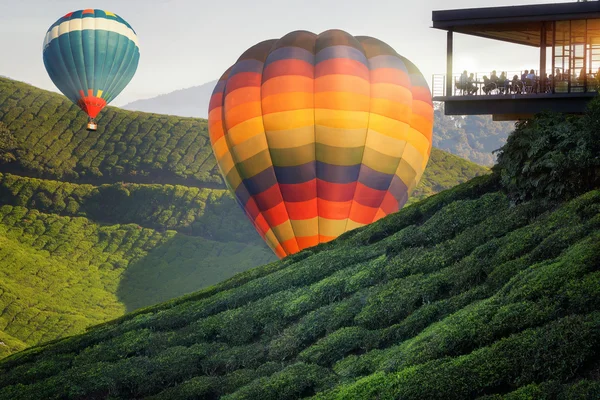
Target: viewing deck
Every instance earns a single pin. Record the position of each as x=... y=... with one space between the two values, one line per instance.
x=569 y=33
x=511 y=100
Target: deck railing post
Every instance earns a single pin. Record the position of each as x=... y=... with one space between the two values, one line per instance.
x=543 y=58
x=449 y=64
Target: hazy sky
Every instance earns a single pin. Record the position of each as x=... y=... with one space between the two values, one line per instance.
x=185 y=43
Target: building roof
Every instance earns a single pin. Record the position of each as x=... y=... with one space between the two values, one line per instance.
x=516 y=24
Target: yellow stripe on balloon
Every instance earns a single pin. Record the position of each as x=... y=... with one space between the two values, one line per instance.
x=332 y=227
x=389 y=127
x=341 y=119
x=291 y=138
x=244 y=131
x=341 y=137
x=249 y=148
x=384 y=144
x=286 y=120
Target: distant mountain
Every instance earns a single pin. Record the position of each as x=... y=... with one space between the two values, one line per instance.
x=190 y=102
x=472 y=137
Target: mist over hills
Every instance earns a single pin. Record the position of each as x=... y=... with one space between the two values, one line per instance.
x=189 y=102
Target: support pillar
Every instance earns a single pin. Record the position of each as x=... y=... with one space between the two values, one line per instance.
x=449 y=83
x=543 y=57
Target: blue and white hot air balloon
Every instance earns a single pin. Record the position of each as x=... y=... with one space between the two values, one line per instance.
x=91 y=56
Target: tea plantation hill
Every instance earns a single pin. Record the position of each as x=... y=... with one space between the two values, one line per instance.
x=96 y=224
x=488 y=290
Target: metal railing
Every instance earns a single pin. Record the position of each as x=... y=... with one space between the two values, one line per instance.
x=567 y=84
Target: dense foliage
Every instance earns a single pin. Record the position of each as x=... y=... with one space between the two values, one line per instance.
x=8 y=144
x=458 y=296
x=552 y=156
x=138 y=147
x=444 y=171
x=472 y=137
x=211 y=213
x=60 y=275
x=74 y=254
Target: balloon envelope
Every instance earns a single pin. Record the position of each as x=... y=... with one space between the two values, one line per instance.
x=91 y=55
x=320 y=134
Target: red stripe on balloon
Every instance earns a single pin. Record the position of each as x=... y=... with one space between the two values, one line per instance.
x=269 y=198
x=341 y=66
x=243 y=80
x=335 y=191
x=288 y=67
x=302 y=209
x=390 y=75
x=292 y=192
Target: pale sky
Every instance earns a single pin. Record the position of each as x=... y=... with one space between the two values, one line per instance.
x=185 y=43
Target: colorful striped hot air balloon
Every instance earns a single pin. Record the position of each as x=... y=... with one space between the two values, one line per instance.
x=91 y=55
x=320 y=134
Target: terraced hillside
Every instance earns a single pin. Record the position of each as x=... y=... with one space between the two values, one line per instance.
x=96 y=224
x=463 y=294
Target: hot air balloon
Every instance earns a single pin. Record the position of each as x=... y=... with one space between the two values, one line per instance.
x=319 y=134
x=91 y=55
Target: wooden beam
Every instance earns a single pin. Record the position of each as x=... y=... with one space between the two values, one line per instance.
x=543 y=57
x=449 y=83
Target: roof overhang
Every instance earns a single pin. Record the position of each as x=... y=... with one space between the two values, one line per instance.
x=514 y=24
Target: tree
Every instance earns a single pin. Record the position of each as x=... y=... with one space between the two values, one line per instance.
x=8 y=144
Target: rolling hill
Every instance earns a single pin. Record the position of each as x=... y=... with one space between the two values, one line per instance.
x=462 y=295
x=96 y=224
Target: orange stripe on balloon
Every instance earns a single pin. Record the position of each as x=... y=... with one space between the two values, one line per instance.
x=361 y=213
x=307 y=241
x=241 y=96
x=380 y=214
x=422 y=94
x=262 y=224
x=287 y=102
x=276 y=215
x=333 y=209
x=299 y=210
x=287 y=84
x=242 y=113
x=290 y=246
x=389 y=204
x=280 y=252
x=390 y=75
x=325 y=239
x=342 y=101
x=398 y=111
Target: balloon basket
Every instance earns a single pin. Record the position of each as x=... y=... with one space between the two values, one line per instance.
x=92 y=125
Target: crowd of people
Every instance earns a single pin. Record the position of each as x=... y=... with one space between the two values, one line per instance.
x=528 y=82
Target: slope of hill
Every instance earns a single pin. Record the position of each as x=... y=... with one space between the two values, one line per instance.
x=147 y=181
x=461 y=295
x=131 y=146
x=189 y=102
x=63 y=274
